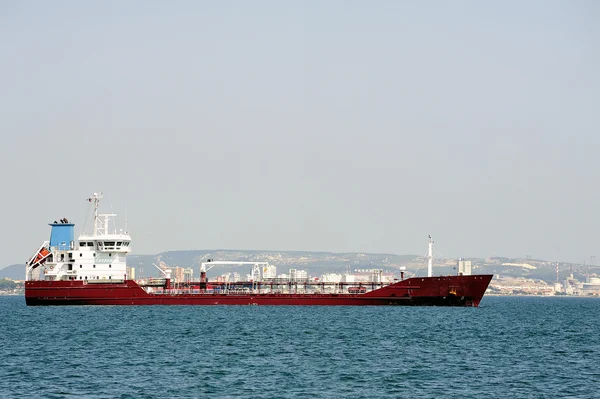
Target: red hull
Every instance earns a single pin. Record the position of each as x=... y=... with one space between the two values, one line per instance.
x=435 y=291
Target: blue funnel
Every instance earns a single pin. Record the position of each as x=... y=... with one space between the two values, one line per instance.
x=61 y=235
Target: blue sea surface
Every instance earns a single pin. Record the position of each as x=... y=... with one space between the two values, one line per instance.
x=512 y=347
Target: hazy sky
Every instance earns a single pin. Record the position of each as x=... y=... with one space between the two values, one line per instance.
x=338 y=126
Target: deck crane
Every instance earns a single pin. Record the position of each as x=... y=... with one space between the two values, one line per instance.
x=163 y=268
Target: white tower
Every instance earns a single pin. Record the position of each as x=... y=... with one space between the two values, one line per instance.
x=430 y=258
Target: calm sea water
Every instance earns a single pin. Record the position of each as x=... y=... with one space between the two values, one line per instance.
x=508 y=347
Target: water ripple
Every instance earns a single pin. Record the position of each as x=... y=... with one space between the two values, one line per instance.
x=509 y=347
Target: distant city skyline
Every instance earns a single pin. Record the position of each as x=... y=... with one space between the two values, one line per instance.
x=318 y=126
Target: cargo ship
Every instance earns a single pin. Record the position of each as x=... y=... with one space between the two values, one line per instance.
x=92 y=270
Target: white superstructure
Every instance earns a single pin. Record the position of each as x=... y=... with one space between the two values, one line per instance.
x=99 y=257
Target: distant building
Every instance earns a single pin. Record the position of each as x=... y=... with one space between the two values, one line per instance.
x=591 y=287
x=188 y=274
x=573 y=286
x=298 y=275
x=177 y=274
x=464 y=267
x=521 y=286
x=558 y=288
x=331 y=278
x=357 y=278
x=269 y=271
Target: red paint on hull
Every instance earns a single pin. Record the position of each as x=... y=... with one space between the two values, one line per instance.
x=435 y=291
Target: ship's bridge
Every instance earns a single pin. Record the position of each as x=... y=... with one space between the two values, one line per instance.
x=106 y=243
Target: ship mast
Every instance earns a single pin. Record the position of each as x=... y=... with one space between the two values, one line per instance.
x=430 y=258
x=96 y=200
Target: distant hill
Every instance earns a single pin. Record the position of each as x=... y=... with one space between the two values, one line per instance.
x=15 y=272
